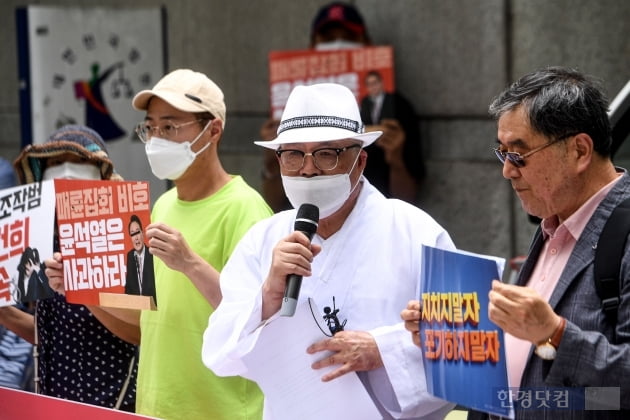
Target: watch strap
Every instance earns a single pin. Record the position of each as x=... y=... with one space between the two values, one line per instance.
x=547 y=349
x=556 y=337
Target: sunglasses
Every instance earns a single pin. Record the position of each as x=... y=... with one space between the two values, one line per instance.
x=518 y=159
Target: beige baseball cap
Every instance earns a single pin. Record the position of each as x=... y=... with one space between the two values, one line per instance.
x=186 y=90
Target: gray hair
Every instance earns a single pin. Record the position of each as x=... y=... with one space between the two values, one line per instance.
x=560 y=102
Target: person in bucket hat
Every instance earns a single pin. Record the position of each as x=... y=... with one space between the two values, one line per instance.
x=194 y=227
x=363 y=261
x=70 y=145
x=69 y=338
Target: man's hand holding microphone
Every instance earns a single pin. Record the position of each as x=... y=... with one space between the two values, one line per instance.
x=291 y=261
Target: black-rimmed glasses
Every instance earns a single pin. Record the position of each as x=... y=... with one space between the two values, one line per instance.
x=518 y=159
x=325 y=159
x=166 y=130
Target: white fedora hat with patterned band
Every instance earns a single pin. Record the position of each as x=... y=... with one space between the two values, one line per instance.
x=319 y=113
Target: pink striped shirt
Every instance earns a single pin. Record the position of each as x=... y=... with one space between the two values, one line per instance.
x=559 y=243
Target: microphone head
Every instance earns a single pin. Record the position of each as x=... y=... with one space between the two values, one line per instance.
x=307 y=219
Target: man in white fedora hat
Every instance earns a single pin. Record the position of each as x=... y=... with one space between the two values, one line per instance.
x=363 y=261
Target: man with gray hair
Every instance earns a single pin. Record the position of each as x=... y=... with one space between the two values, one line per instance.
x=554 y=142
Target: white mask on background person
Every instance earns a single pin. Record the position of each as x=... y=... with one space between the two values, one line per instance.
x=337 y=44
x=72 y=170
x=327 y=192
x=170 y=159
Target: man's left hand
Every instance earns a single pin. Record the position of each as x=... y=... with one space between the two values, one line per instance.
x=411 y=316
x=169 y=245
x=354 y=351
x=521 y=312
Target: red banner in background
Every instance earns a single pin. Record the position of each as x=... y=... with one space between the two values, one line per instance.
x=349 y=67
x=21 y=405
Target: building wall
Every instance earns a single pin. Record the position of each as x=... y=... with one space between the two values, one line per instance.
x=452 y=57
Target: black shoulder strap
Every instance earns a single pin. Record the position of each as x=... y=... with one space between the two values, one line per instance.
x=608 y=255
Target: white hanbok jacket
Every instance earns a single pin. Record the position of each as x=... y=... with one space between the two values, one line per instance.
x=371 y=266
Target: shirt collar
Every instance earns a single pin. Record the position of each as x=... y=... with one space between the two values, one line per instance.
x=576 y=223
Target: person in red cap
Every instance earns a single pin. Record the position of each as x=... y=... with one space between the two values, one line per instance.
x=396 y=166
x=338 y=25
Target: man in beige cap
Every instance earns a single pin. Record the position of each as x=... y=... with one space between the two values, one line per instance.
x=195 y=226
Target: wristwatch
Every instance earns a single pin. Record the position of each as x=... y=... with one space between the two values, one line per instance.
x=547 y=349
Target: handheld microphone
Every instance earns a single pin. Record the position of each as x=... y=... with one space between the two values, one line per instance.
x=306 y=222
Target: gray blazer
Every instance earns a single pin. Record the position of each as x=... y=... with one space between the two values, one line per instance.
x=593 y=352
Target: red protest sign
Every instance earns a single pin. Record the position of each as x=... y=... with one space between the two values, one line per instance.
x=97 y=222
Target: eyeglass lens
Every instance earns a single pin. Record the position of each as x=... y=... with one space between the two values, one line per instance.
x=514 y=158
x=168 y=130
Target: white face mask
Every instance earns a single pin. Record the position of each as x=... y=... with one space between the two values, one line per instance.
x=72 y=170
x=327 y=192
x=337 y=44
x=170 y=159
